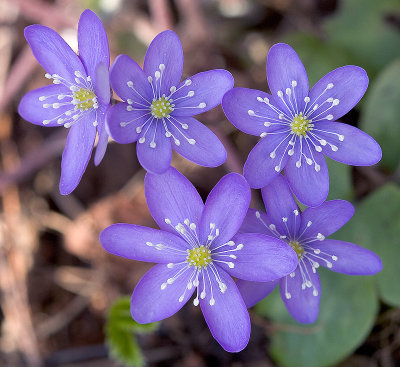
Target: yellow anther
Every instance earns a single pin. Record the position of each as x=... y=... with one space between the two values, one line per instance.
x=84 y=99
x=161 y=108
x=199 y=257
x=300 y=126
x=297 y=248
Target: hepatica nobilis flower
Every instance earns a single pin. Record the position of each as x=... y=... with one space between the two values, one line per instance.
x=158 y=107
x=298 y=126
x=198 y=251
x=79 y=96
x=306 y=233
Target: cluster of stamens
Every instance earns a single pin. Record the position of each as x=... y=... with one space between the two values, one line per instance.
x=199 y=257
x=307 y=254
x=81 y=99
x=159 y=110
x=299 y=125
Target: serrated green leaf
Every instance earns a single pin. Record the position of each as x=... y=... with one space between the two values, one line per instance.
x=381 y=114
x=347 y=313
x=376 y=226
x=120 y=329
x=362 y=28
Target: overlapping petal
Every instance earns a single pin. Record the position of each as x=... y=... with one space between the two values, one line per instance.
x=102 y=134
x=246 y=109
x=171 y=195
x=102 y=83
x=347 y=85
x=326 y=218
x=260 y=169
x=256 y=221
x=357 y=148
x=254 y=292
x=166 y=50
x=302 y=302
x=226 y=207
x=311 y=187
x=122 y=124
x=53 y=53
x=197 y=142
x=151 y=303
x=153 y=149
x=204 y=92
x=228 y=319
x=125 y=70
x=260 y=258
x=283 y=68
x=32 y=110
x=143 y=243
x=77 y=152
x=93 y=42
x=281 y=207
x=346 y=257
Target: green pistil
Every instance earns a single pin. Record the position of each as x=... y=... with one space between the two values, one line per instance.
x=161 y=108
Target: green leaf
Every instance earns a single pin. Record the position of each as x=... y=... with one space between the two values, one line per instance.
x=340 y=180
x=120 y=329
x=318 y=57
x=376 y=226
x=362 y=28
x=347 y=313
x=381 y=115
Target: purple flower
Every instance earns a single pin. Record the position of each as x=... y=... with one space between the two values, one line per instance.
x=158 y=107
x=198 y=250
x=298 y=126
x=306 y=233
x=79 y=96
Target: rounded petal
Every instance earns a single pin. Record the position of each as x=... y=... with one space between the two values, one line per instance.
x=302 y=301
x=31 y=108
x=260 y=169
x=281 y=207
x=197 y=142
x=325 y=219
x=348 y=144
x=153 y=302
x=122 y=123
x=53 y=53
x=227 y=318
x=205 y=92
x=130 y=82
x=256 y=221
x=259 y=257
x=77 y=152
x=93 y=42
x=224 y=210
x=254 y=292
x=143 y=244
x=345 y=257
x=286 y=74
x=154 y=149
x=346 y=84
x=102 y=83
x=164 y=58
x=172 y=196
x=248 y=111
x=310 y=186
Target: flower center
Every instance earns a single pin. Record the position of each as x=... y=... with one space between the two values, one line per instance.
x=297 y=248
x=300 y=125
x=161 y=108
x=84 y=99
x=199 y=257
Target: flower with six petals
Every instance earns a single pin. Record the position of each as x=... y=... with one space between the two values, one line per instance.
x=79 y=96
x=298 y=126
x=158 y=107
x=198 y=250
x=306 y=233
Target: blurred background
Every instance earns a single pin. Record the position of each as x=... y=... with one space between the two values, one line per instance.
x=60 y=293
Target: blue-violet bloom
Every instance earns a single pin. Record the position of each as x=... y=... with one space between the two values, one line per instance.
x=306 y=233
x=298 y=127
x=158 y=107
x=198 y=250
x=80 y=94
